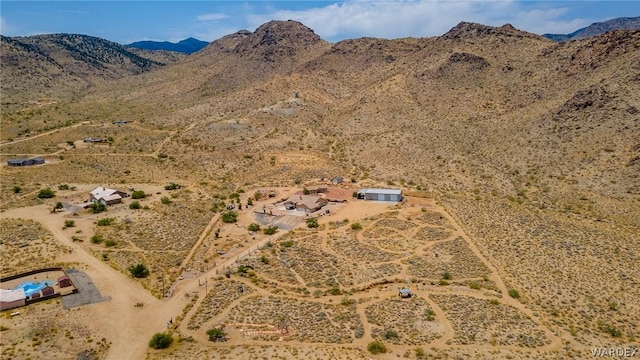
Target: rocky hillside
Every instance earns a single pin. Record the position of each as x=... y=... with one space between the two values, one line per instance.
x=489 y=109
x=45 y=65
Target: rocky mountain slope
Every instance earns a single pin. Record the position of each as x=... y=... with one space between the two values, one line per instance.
x=44 y=65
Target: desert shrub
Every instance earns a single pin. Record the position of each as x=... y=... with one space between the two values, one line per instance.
x=110 y=243
x=160 y=341
x=474 y=285
x=217 y=334
x=264 y=259
x=229 y=217
x=17 y=189
x=253 y=227
x=306 y=191
x=46 y=193
x=312 y=223
x=172 y=186
x=134 y=205
x=69 y=223
x=162 y=156
x=389 y=334
x=63 y=187
x=97 y=207
x=429 y=315
x=377 y=347
x=106 y=221
x=96 y=239
x=514 y=293
x=270 y=230
x=165 y=200
x=420 y=354
x=446 y=276
x=139 y=271
x=287 y=244
x=138 y=194
x=356 y=226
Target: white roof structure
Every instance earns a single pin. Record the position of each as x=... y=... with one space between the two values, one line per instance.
x=102 y=193
x=381 y=191
x=12 y=295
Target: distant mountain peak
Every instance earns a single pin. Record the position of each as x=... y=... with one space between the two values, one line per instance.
x=187 y=46
x=276 y=39
x=598 y=28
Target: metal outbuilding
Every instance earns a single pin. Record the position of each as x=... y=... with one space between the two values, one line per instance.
x=380 y=194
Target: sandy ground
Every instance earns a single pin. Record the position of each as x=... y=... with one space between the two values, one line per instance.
x=129 y=328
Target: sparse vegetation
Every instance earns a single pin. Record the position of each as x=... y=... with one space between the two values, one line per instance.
x=377 y=347
x=138 y=194
x=139 y=271
x=160 y=341
x=46 y=193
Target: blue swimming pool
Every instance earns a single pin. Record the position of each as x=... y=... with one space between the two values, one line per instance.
x=33 y=286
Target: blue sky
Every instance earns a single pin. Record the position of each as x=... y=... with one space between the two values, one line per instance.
x=128 y=21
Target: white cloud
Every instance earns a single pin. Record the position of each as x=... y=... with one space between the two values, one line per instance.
x=419 y=18
x=212 y=17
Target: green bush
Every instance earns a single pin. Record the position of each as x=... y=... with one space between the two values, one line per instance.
x=377 y=347
x=134 y=205
x=253 y=227
x=389 y=334
x=229 y=217
x=160 y=341
x=138 y=194
x=106 y=221
x=69 y=223
x=514 y=293
x=96 y=239
x=172 y=186
x=356 y=226
x=446 y=276
x=97 y=207
x=139 y=271
x=165 y=200
x=46 y=193
x=110 y=243
x=270 y=230
x=17 y=189
x=63 y=187
x=217 y=334
x=312 y=223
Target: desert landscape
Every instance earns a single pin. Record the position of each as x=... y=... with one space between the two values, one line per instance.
x=180 y=186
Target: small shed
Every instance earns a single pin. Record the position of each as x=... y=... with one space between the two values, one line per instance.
x=64 y=281
x=48 y=291
x=404 y=293
x=337 y=180
x=11 y=299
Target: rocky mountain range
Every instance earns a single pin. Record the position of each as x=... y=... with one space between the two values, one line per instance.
x=595 y=29
x=485 y=108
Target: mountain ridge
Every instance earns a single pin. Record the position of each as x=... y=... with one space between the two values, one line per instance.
x=598 y=28
x=188 y=46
